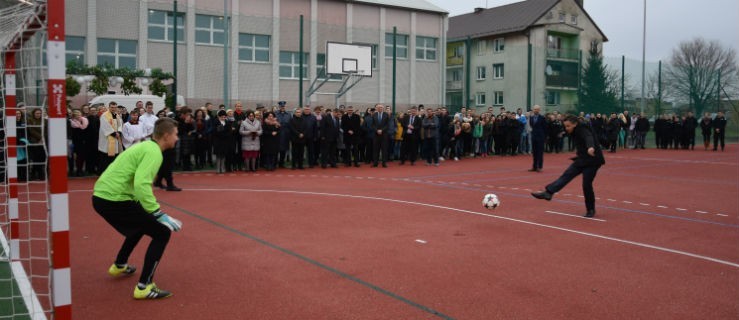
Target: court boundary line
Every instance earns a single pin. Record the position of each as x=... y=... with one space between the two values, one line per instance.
x=588 y=234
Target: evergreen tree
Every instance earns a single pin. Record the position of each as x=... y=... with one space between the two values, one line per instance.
x=597 y=94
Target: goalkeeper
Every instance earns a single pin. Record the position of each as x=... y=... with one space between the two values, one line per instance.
x=123 y=196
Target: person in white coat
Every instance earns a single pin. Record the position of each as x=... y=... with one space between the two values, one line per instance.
x=250 y=130
x=133 y=131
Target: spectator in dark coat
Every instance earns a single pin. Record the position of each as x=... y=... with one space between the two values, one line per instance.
x=706 y=129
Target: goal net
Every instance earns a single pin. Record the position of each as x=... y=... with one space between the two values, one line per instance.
x=34 y=224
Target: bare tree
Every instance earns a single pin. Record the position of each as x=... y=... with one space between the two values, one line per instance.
x=694 y=70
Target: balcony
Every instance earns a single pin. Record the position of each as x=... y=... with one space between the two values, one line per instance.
x=562 y=81
x=453 y=85
x=454 y=61
x=564 y=54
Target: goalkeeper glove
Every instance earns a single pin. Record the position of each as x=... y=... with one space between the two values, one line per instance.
x=169 y=222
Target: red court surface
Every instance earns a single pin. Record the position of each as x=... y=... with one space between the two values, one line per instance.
x=414 y=242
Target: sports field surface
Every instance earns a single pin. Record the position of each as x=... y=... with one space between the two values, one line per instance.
x=414 y=242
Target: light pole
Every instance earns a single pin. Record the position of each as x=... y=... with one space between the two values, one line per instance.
x=643 y=57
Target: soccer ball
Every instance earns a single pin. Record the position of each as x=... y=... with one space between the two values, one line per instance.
x=490 y=201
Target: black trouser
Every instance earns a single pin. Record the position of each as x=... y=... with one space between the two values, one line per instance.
x=165 y=170
x=312 y=150
x=104 y=161
x=718 y=137
x=537 y=150
x=133 y=222
x=588 y=175
x=707 y=140
x=328 y=153
x=351 y=151
x=429 y=150
x=380 y=144
x=297 y=154
x=409 y=148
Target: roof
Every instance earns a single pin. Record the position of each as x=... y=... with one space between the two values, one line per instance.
x=420 y=5
x=514 y=17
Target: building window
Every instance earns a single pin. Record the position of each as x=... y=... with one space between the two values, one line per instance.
x=117 y=53
x=401 y=43
x=573 y=19
x=481 y=73
x=498 y=98
x=554 y=42
x=552 y=98
x=209 y=29
x=456 y=75
x=482 y=47
x=498 y=71
x=321 y=68
x=374 y=56
x=425 y=48
x=498 y=44
x=290 y=65
x=562 y=17
x=480 y=98
x=75 y=49
x=162 y=24
x=458 y=52
x=253 y=47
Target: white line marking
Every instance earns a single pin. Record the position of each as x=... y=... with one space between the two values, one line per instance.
x=587 y=234
x=626 y=201
x=580 y=196
x=420 y=241
x=612 y=200
x=698 y=211
x=514 y=188
x=644 y=204
x=681 y=209
x=529 y=190
x=723 y=215
x=663 y=207
x=574 y=215
x=568 y=194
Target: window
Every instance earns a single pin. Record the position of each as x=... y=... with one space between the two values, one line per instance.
x=498 y=98
x=374 y=56
x=253 y=47
x=209 y=29
x=456 y=75
x=162 y=24
x=425 y=48
x=481 y=73
x=290 y=65
x=498 y=44
x=117 y=53
x=562 y=17
x=480 y=98
x=401 y=43
x=482 y=47
x=321 y=68
x=498 y=71
x=75 y=47
x=554 y=42
x=552 y=98
x=573 y=19
x=458 y=52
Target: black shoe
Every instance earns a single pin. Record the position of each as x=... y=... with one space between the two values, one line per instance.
x=356 y=165
x=384 y=165
x=532 y=170
x=173 y=188
x=590 y=214
x=375 y=164
x=542 y=195
x=159 y=185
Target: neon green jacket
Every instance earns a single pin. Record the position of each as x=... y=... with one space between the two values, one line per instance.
x=130 y=176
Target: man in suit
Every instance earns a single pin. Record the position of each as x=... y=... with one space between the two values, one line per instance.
x=329 y=128
x=588 y=160
x=380 y=123
x=411 y=132
x=351 y=124
x=538 y=137
x=297 y=139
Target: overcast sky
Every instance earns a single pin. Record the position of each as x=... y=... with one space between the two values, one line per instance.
x=668 y=23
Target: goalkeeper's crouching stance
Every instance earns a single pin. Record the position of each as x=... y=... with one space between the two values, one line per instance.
x=123 y=196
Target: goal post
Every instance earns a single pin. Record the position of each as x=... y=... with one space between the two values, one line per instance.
x=34 y=221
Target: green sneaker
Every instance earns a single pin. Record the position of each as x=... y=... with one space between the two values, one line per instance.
x=150 y=292
x=116 y=271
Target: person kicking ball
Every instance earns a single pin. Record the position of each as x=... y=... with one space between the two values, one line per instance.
x=588 y=160
x=123 y=196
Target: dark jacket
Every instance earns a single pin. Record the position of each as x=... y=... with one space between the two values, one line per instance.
x=271 y=142
x=329 y=128
x=584 y=138
x=538 y=129
x=297 y=127
x=706 y=126
x=719 y=123
x=353 y=123
x=642 y=125
x=416 y=131
x=223 y=138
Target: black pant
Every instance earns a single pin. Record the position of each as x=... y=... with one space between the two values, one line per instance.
x=588 y=175
x=409 y=149
x=133 y=222
x=328 y=153
x=718 y=137
x=380 y=144
x=312 y=150
x=537 y=150
x=104 y=161
x=430 y=152
x=165 y=170
x=297 y=154
x=351 y=151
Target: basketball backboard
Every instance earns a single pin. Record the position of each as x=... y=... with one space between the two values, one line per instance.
x=348 y=58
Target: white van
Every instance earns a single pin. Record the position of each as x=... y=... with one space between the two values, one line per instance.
x=129 y=101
